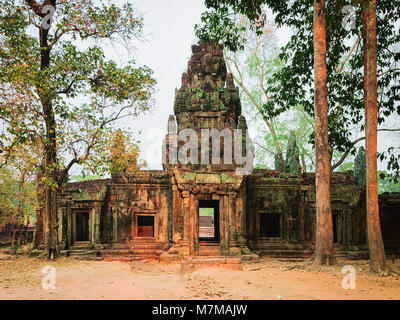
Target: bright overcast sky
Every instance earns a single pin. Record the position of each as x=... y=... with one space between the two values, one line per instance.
x=171 y=28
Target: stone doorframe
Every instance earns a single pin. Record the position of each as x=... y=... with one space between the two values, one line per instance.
x=227 y=221
x=215 y=204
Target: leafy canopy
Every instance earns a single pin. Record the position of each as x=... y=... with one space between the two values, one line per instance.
x=87 y=93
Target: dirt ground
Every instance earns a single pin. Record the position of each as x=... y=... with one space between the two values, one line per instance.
x=21 y=278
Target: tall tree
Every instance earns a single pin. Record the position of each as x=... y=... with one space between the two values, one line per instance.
x=376 y=249
x=251 y=68
x=63 y=98
x=324 y=253
x=345 y=74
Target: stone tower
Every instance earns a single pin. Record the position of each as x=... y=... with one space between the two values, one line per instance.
x=207 y=101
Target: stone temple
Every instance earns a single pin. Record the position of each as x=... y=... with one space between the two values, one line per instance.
x=198 y=209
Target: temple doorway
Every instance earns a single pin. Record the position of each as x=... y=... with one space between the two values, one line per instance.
x=82 y=226
x=209 y=220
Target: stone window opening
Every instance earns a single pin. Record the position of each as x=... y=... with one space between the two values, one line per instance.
x=145 y=226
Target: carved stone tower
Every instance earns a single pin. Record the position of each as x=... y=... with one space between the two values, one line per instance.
x=207 y=103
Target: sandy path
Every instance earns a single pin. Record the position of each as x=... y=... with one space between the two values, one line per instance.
x=21 y=278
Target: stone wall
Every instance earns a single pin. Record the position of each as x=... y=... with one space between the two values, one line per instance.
x=114 y=206
x=389 y=211
x=271 y=192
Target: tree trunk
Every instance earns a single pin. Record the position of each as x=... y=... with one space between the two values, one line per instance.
x=50 y=225
x=13 y=237
x=324 y=253
x=51 y=164
x=376 y=249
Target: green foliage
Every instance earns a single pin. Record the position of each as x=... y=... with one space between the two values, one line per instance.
x=7 y=196
x=217 y=23
x=392 y=155
x=123 y=155
x=17 y=198
x=345 y=69
x=206 y=211
x=86 y=93
x=292 y=155
x=279 y=164
x=360 y=168
x=85 y=178
x=347 y=166
x=387 y=185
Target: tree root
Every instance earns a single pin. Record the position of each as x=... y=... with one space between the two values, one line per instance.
x=322 y=259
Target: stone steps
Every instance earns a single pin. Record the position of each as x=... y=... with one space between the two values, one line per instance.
x=275 y=248
x=196 y=262
x=209 y=248
x=139 y=248
x=147 y=247
x=80 y=248
x=119 y=252
x=285 y=253
x=80 y=253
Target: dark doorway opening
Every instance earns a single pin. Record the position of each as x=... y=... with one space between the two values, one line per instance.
x=145 y=226
x=337 y=226
x=334 y=225
x=270 y=225
x=82 y=226
x=209 y=220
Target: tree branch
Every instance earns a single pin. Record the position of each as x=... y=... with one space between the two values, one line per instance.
x=38 y=7
x=344 y=156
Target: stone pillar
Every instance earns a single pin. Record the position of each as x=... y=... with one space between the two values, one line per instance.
x=115 y=224
x=96 y=212
x=91 y=225
x=184 y=249
x=195 y=212
x=62 y=237
x=194 y=226
x=69 y=224
x=192 y=231
x=301 y=216
x=224 y=222
x=242 y=223
x=347 y=229
x=233 y=245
